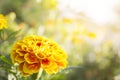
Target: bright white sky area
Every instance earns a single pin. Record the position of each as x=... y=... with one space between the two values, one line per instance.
x=100 y=11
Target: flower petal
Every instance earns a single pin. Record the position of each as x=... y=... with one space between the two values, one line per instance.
x=21 y=70
x=19 y=59
x=13 y=55
x=31 y=58
x=31 y=68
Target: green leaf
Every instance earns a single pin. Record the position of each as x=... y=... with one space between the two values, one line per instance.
x=13 y=34
x=4 y=59
x=2 y=33
x=74 y=67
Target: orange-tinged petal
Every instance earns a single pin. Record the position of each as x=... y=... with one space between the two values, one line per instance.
x=45 y=62
x=31 y=58
x=62 y=64
x=21 y=70
x=19 y=59
x=39 y=43
x=21 y=67
x=20 y=52
x=31 y=68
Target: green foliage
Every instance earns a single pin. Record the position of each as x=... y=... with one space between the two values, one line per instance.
x=93 y=71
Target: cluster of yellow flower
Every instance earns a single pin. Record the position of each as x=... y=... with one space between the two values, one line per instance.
x=35 y=52
x=2 y=22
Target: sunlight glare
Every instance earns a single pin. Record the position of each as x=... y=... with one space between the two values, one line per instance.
x=100 y=11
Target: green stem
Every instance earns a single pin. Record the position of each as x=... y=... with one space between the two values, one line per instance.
x=39 y=74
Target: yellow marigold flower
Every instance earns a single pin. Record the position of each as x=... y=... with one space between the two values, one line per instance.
x=35 y=52
x=2 y=22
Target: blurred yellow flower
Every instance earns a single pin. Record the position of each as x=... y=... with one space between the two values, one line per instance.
x=91 y=35
x=2 y=22
x=50 y=22
x=35 y=52
x=67 y=20
x=49 y=4
x=77 y=40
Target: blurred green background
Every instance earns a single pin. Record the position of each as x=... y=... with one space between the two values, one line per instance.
x=93 y=48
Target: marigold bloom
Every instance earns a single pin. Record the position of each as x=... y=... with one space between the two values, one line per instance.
x=2 y=22
x=35 y=52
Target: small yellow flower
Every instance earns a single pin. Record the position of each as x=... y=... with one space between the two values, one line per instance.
x=50 y=22
x=35 y=52
x=77 y=40
x=50 y=4
x=91 y=35
x=67 y=20
x=2 y=22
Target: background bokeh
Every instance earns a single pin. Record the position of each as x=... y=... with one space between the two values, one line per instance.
x=88 y=30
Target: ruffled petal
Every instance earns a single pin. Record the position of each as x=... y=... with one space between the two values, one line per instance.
x=31 y=68
x=31 y=58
